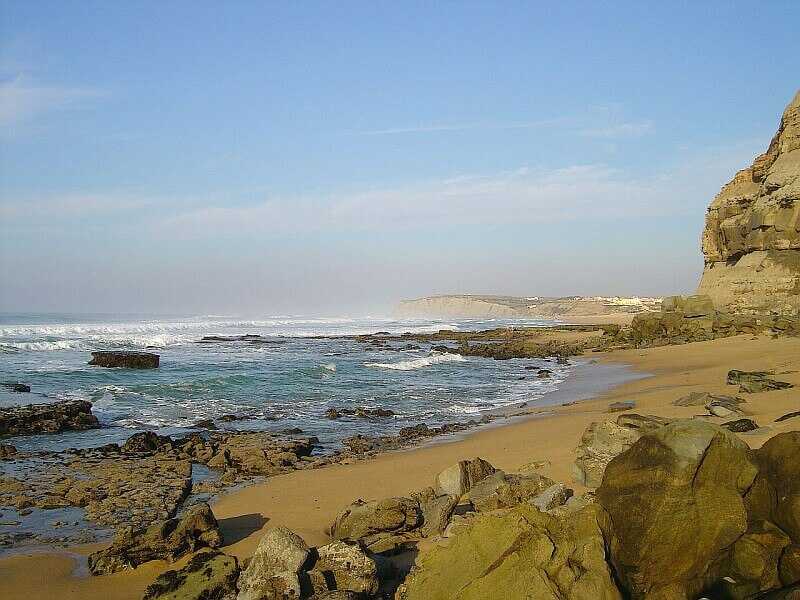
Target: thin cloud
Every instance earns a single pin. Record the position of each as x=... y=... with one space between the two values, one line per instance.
x=463 y=127
x=21 y=100
x=620 y=130
x=70 y=206
x=527 y=195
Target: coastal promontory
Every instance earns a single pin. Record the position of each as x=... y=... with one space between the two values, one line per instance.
x=751 y=241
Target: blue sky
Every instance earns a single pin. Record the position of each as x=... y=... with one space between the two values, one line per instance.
x=329 y=157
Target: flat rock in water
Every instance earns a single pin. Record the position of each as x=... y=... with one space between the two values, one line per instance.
x=47 y=418
x=125 y=359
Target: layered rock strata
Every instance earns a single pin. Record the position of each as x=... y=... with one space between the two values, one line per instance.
x=751 y=241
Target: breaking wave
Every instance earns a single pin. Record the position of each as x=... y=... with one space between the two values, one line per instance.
x=418 y=363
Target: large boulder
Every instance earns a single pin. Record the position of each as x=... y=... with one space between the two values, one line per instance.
x=675 y=505
x=166 y=540
x=517 y=554
x=274 y=570
x=378 y=524
x=208 y=575
x=125 y=359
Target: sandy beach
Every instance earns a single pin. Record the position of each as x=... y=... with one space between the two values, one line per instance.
x=307 y=501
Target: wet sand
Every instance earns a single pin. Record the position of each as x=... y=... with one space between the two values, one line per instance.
x=307 y=501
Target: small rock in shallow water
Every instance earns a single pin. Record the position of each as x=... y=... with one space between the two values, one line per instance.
x=620 y=406
x=16 y=387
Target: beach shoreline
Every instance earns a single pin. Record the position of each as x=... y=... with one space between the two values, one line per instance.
x=307 y=501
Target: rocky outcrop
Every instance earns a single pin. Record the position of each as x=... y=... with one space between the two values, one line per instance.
x=521 y=553
x=208 y=575
x=166 y=540
x=125 y=359
x=695 y=319
x=691 y=511
x=602 y=441
x=47 y=418
x=751 y=241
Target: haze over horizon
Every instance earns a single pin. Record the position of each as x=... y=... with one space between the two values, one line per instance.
x=288 y=159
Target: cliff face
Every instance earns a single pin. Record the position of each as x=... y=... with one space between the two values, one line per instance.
x=751 y=241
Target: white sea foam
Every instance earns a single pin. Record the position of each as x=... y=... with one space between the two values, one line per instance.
x=329 y=367
x=162 y=334
x=418 y=363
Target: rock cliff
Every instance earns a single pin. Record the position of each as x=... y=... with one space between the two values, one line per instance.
x=751 y=241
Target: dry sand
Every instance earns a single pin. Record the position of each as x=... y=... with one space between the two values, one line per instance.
x=307 y=501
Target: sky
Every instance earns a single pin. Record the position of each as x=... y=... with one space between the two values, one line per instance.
x=333 y=158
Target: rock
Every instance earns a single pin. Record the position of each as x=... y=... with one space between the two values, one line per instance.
x=752 y=382
x=436 y=510
x=336 y=595
x=741 y=425
x=704 y=398
x=753 y=562
x=751 y=241
x=642 y=423
x=723 y=408
x=54 y=417
x=205 y=424
x=544 y=373
x=7 y=451
x=521 y=553
x=775 y=494
x=556 y=495
x=599 y=444
x=690 y=306
x=332 y=413
x=370 y=523
x=675 y=505
x=167 y=540
x=208 y=575
x=790 y=415
x=342 y=567
x=126 y=359
x=620 y=406
x=16 y=387
x=146 y=442
x=501 y=490
x=459 y=479
x=274 y=570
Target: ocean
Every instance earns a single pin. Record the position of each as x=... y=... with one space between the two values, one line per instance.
x=288 y=383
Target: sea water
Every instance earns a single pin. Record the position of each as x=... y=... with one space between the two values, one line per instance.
x=289 y=383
